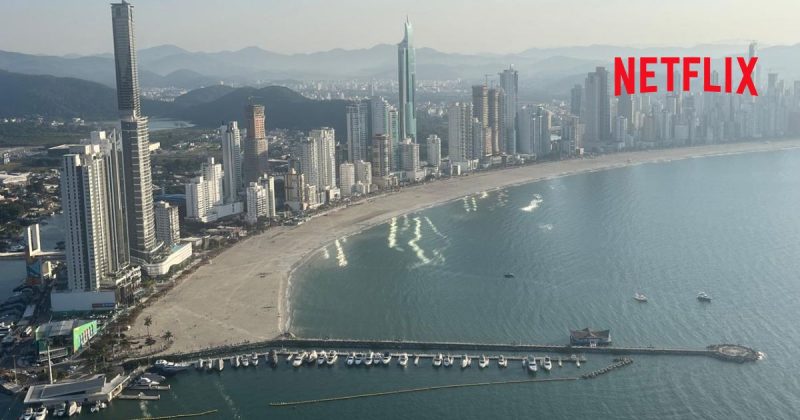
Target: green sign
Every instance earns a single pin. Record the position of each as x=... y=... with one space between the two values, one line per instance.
x=82 y=334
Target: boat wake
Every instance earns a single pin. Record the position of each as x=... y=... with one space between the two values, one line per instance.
x=534 y=204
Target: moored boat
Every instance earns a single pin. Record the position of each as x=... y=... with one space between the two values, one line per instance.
x=416 y=360
x=530 y=362
x=254 y=359
x=299 y=359
x=448 y=361
x=220 y=365
x=272 y=358
x=322 y=357
x=402 y=359
x=547 y=364
x=466 y=361
x=368 y=359
x=437 y=360
x=502 y=361
x=333 y=356
x=351 y=359
x=359 y=358
x=483 y=361
x=387 y=357
x=312 y=357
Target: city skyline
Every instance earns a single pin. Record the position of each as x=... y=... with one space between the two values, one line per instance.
x=78 y=28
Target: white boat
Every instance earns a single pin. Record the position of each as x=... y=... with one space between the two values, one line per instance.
x=402 y=360
x=245 y=360
x=578 y=362
x=386 y=358
x=97 y=406
x=290 y=357
x=254 y=359
x=200 y=364
x=483 y=362
x=359 y=358
x=351 y=358
x=322 y=357
x=502 y=361
x=640 y=297
x=448 y=361
x=377 y=359
x=312 y=357
x=466 y=361
x=73 y=408
x=40 y=413
x=143 y=381
x=220 y=365
x=368 y=359
x=272 y=358
x=333 y=356
x=416 y=360
x=437 y=360
x=27 y=414
x=547 y=364
x=299 y=359
x=559 y=362
x=703 y=297
x=530 y=362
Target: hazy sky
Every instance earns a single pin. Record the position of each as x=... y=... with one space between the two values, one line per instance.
x=502 y=26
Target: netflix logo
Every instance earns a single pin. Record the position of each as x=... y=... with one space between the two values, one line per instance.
x=633 y=77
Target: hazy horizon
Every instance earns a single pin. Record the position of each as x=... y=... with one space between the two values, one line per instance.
x=512 y=26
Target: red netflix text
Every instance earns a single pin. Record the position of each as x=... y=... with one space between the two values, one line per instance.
x=628 y=74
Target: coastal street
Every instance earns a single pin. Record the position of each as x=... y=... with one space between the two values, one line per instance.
x=241 y=294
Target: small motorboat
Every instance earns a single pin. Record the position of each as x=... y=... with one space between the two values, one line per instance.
x=508 y=275
x=322 y=357
x=547 y=364
x=27 y=414
x=272 y=358
x=377 y=359
x=368 y=359
x=416 y=360
x=559 y=362
x=530 y=362
x=448 y=361
x=577 y=362
x=200 y=364
x=402 y=360
x=387 y=357
x=359 y=358
x=703 y=297
x=437 y=360
x=502 y=361
x=312 y=357
x=332 y=357
x=40 y=413
x=300 y=359
x=254 y=359
x=97 y=406
x=234 y=360
x=290 y=357
x=466 y=361
x=73 y=408
x=351 y=358
x=483 y=361
x=245 y=360
x=220 y=365
x=640 y=297
x=60 y=410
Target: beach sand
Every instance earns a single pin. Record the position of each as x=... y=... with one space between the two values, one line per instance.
x=241 y=295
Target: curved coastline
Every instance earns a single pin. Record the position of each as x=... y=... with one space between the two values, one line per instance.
x=234 y=315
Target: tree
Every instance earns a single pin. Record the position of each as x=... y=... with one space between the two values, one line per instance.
x=148 y=321
x=167 y=336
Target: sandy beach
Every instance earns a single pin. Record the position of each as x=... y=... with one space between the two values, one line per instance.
x=241 y=295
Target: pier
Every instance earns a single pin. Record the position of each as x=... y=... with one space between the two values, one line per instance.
x=724 y=352
x=140 y=397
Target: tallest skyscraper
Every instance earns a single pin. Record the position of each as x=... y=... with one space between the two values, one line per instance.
x=407 y=77
x=138 y=189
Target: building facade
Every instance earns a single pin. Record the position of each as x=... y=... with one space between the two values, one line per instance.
x=231 y=160
x=168 y=229
x=407 y=78
x=255 y=162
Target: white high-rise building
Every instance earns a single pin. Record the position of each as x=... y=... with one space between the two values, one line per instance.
x=347 y=178
x=434 y=149
x=357 y=130
x=197 y=198
x=326 y=140
x=260 y=199
x=460 y=132
x=212 y=173
x=168 y=228
x=85 y=204
x=231 y=160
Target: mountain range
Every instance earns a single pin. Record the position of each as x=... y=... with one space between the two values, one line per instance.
x=544 y=69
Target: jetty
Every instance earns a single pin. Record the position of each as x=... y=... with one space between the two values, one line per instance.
x=724 y=352
x=140 y=396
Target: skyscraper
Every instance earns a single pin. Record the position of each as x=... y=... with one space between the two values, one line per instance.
x=597 y=107
x=434 y=151
x=256 y=159
x=409 y=155
x=347 y=178
x=459 y=132
x=496 y=101
x=260 y=199
x=481 y=111
x=231 y=160
x=135 y=143
x=168 y=228
x=85 y=204
x=576 y=100
x=407 y=77
x=381 y=155
x=509 y=81
x=212 y=173
x=358 y=130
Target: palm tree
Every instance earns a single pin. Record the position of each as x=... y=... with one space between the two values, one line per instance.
x=148 y=321
x=167 y=336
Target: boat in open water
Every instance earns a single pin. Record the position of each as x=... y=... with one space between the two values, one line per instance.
x=640 y=297
x=703 y=297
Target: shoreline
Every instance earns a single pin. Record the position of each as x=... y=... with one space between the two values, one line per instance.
x=213 y=308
